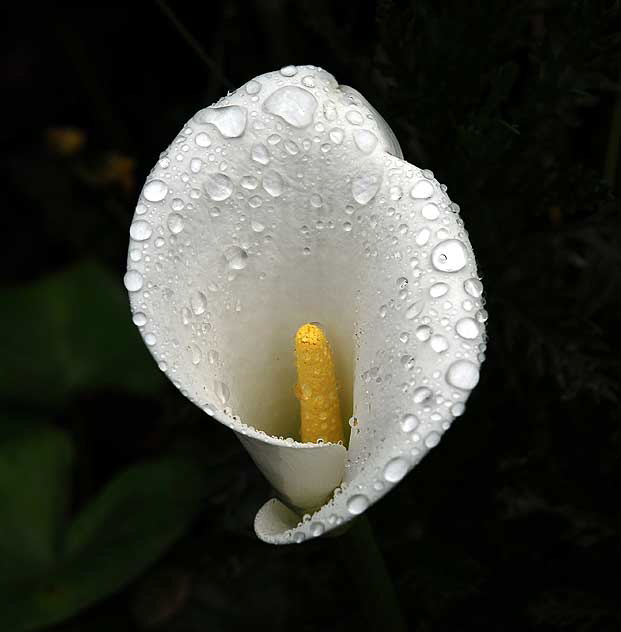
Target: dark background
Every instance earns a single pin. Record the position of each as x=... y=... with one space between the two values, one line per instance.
x=122 y=505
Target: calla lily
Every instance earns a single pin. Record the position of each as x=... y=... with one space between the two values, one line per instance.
x=287 y=202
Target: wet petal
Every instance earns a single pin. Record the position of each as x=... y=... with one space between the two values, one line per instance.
x=293 y=213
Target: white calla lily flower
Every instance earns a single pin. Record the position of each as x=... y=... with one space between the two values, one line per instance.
x=288 y=202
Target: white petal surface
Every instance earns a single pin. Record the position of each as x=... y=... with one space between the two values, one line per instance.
x=277 y=207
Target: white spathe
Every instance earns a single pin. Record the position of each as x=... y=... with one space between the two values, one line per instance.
x=289 y=202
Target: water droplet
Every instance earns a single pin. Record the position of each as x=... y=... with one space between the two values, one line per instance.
x=316 y=200
x=236 y=257
x=288 y=71
x=253 y=87
x=415 y=309
x=198 y=302
x=432 y=439
x=421 y=394
x=365 y=187
x=438 y=343
x=409 y=422
x=273 y=183
x=255 y=201
x=395 y=469
x=430 y=211
x=316 y=529
x=133 y=280
x=421 y=190
x=294 y=105
x=357 y=504
x=449 y=256
x=422 y=237
x=291 y=147
x=336 y=135
x=175 y=223
x=473 y=287
x=260 y=154
x=249 y=182
x=229 y=120
x=139 y=319
x=458 y=409
x=438 y=289
x=155 y=190
x=140 y=230
x=196 y=354
x=463 y=374
x=222 y=391
x=329 y=110
x=467 y=328
x=402 y=283
x=218 y=186
x=257 y=226
x=308 y=81
x=354 y=117
x=423 y=333
x=365 y=140
x=299 y=537
x=195 y=165
x=150 y=339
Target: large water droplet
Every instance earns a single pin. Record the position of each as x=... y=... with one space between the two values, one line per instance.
x=421 y=394
x=229 y=120
x=365 y=187
x=422 y=189
x=449 y=256
x=140 y=230
x=202 y=140
x=288 y=71
x=395 y=469
x=155 y=190
x=438 y=289
x=236 y=257
x=467 y=328
x=260 y=154
x=409 y=422
x=432 y=439
x=430 y=211
x=175 y=223
x=273 y=183
x=438 y=343
x=357 y=504
x=473 y=287
x=365 y=140
x=218 y=186
x=139 y=319
x=294 y=105
x=463 y=374
x=133 y=280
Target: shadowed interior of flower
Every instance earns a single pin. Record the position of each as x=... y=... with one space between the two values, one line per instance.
x=288 y=202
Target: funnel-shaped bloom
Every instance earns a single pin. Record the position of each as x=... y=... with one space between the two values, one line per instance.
x=289 y=202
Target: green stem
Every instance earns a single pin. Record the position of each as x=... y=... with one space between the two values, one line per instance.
x=370 y=578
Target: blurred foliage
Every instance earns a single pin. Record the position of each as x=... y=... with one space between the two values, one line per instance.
x=512 y=523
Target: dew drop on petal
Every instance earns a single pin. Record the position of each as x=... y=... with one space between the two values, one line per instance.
x=229 y=120
x=336 y=135
x=421 y=394
x=222 y=391
x=423 y=333
x=463 y=374
x=422 y=190
x=260 y=154
x=317 y=529
x=409 y=422
x=288 y=71
x=155 y=190
x=218 y=186
x=273 y=183
x=140 y=230
x=449 y=256
x=473 y=287
x=415 y=309
x=294 y=105
x=198 y=302
x=438 y=289
x=365 y=140
x=467 y=328
x=236 y=257
x=432 y=439
x=395 y=469
x=202 y=140
x=364 y=188
x=139 y=319
x=438 y=343
x=133 y=280
x=357 y=504
x=175 y=223
x=430 y=211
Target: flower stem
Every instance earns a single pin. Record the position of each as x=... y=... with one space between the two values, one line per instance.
x=370 y=578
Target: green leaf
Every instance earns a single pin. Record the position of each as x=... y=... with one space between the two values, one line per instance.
x=34 y=478
x=124 y=530
x=69 y=332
